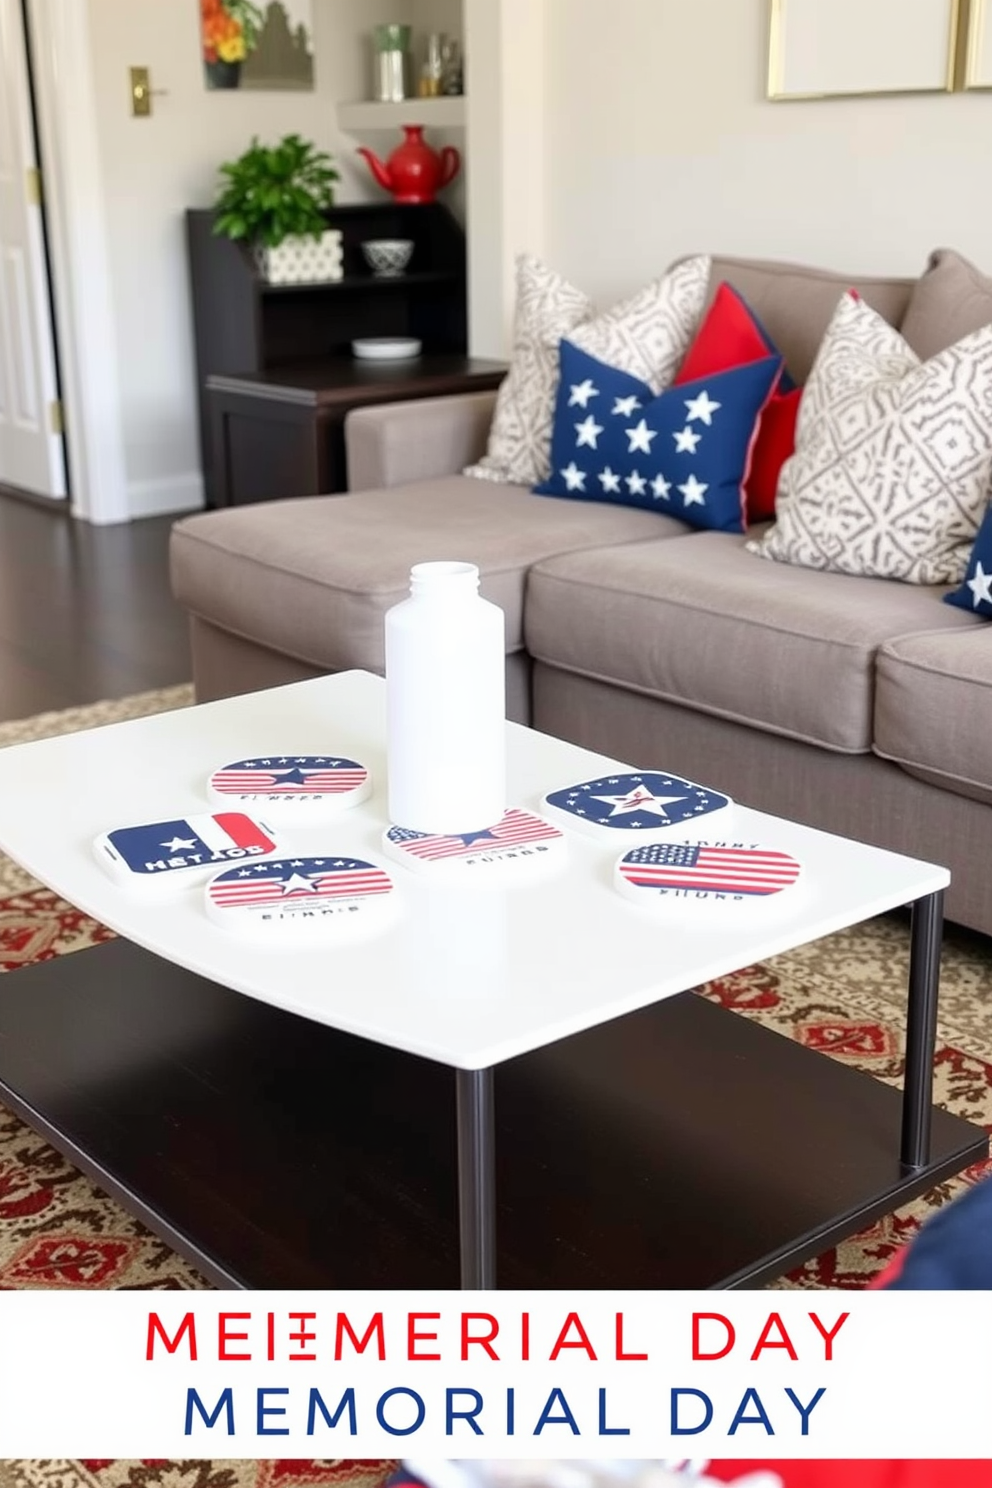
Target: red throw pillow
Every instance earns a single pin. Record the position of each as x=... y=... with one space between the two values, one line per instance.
x=884 y=1474
x=730 y=336
x=776 y=441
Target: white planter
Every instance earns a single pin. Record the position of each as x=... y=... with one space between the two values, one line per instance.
x=301 y=260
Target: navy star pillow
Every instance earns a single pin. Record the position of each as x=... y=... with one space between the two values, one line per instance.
x=685 y=453
x=975 y=593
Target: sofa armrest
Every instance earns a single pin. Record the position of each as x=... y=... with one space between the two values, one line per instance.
x=392 y=443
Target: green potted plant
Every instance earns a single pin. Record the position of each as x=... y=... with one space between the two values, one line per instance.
x=274 y=200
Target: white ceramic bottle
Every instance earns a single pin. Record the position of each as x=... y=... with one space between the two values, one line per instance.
x=445 y=703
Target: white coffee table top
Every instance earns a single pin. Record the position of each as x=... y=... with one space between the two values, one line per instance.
x=466 y=975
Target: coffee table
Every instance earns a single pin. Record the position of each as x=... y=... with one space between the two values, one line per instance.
x=285 y=1117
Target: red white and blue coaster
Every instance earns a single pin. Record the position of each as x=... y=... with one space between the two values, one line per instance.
x=294 y=789
x=648 y=806
x=519 y=845
x=712 y=879
x=174 y=854
x=302 y=899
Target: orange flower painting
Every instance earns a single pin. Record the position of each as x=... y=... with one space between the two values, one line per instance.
x=247 y=46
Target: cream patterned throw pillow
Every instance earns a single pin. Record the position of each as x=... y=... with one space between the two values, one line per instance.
x=893 y=459
x=647 y=335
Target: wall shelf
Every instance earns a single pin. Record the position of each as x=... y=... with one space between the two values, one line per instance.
x=442 y=113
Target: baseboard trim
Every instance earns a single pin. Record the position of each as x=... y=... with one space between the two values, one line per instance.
x=57 y=504
x=156 y=498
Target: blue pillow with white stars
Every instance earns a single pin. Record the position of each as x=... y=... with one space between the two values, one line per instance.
x=975 y=593
x=685 y=453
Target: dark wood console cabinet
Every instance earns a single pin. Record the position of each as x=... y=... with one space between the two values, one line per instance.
x=291 y=344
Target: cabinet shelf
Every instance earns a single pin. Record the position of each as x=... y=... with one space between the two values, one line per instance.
x=243 y=325
x=359 y=282
x=442 y=113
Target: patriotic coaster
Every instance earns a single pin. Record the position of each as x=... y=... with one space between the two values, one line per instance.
x=646 y=807
x=520 y=844
x=302 y=899
x=177 y=853
x=707 y=877
x=294 y=789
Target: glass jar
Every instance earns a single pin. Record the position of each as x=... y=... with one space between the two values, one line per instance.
x=392 y=73
x=432 y=74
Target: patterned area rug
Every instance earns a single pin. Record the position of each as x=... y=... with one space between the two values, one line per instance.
x=216 y=1474
x=844 y=997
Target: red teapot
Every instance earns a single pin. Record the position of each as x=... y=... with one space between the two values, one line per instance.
x=414 y=173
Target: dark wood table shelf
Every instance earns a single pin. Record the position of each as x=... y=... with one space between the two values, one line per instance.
x=680 y=1146
x=280 y=433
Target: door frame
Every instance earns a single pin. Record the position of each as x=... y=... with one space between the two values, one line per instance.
x=65 y=97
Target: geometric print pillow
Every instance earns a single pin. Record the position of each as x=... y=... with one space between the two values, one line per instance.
x=893 y=460
x=649 y=334
x=646 y=335
x=547 y=309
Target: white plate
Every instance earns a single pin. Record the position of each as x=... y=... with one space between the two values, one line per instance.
x=387 y=348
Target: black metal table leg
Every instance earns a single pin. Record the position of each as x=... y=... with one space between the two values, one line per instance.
x=476 y=1179
x=921 y=1029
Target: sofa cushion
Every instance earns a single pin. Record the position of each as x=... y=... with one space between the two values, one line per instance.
x=950 y=300
x=685 y=452
x=893 y=456
x=795 y=303
x=312 y=578
x=933 y=701
x=702 y=623
x=646 y=335
x=547 y=308
x=975 y=594
x=732 y=336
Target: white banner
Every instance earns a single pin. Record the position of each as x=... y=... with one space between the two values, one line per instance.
x=498 y=1374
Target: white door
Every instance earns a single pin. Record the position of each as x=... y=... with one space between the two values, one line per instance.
x=32 y=453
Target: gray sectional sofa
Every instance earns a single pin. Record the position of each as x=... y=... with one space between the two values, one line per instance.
x=857 y=705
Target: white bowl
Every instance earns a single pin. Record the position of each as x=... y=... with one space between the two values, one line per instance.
x=387 y=348
x=388 y=257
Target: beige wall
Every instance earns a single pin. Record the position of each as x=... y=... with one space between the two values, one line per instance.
x=659 y=142
x=508 y=114
x=154 y=168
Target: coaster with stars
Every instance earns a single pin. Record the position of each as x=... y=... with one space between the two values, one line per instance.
x=301 y=900
x=171 y=855
x=520 y=846
x=713 y=881
x=295 y=789
x=648 y=806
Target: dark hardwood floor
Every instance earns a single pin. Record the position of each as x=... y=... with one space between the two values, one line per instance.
x=85 y=612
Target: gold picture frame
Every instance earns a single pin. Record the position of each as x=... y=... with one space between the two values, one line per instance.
x=976 y=64
x=810 y=55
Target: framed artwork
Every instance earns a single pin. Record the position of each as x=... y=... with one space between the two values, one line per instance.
x=859 y=48
x=248 y=45
x=977 y=71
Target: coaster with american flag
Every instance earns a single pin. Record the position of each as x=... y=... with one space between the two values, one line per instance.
x=707 y=875
x=647 y=806
x=292 y=788
x=518 y=845
x=301 y=898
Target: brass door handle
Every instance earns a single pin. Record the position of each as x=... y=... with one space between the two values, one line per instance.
x=142 y=92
